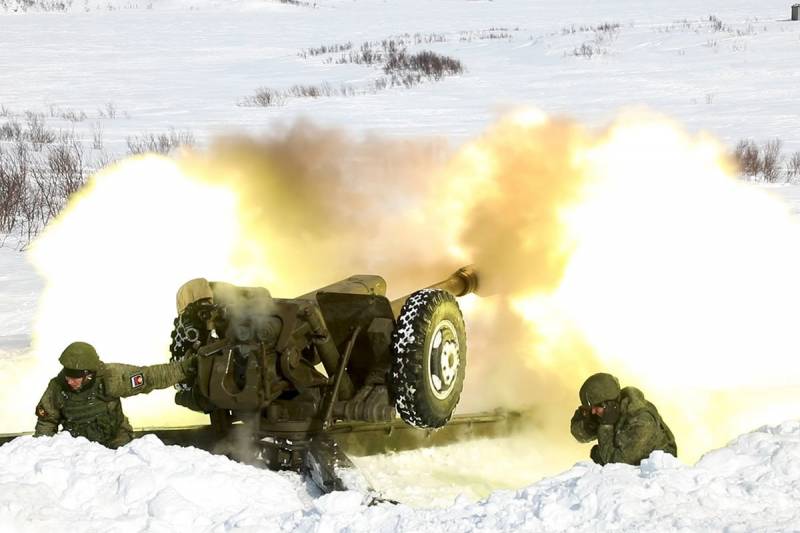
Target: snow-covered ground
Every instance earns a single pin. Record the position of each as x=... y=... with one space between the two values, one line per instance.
x=131 y=67
x=751 y=485
x=186 y=64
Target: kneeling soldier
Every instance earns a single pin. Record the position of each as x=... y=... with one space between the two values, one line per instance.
x=84 y=398
x=627 y=427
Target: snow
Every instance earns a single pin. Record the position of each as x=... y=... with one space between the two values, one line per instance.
x=752 y=484
x=136 y=67
x=142 y=485
x=185 y=64
x=20 y=288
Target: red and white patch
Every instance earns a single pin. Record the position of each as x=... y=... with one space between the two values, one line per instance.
x=137 y=380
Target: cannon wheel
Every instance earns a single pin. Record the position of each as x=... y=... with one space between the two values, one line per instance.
x=429 y=349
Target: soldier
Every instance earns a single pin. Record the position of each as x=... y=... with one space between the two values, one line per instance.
x=627 y=427
x=85 y=396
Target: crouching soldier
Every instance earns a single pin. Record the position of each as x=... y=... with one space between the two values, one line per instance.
x=84 y=399
x=627 y=427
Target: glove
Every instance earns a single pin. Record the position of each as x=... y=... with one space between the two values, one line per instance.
x=588 y=420
x=189 y=366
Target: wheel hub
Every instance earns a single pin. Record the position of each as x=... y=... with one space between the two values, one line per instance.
x=444 y=359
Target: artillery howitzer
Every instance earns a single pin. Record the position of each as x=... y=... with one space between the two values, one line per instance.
x=292 y=370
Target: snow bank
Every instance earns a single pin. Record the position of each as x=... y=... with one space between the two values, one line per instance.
x=46 y=483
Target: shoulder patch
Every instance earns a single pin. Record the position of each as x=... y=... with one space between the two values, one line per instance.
x=137 y=380
x=40 y=411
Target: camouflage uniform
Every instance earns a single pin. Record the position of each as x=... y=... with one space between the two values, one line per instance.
x=631 y=430
x=95 y=411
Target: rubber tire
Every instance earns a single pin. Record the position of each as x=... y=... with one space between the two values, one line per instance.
x=409 y=382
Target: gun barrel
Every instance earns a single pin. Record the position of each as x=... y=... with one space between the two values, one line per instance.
x=461 y=282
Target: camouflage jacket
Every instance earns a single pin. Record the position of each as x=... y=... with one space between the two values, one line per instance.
x=638 y=431
x=95 y=412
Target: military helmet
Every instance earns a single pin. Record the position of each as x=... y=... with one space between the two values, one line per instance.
x=599 y=388
x=80 y=356
x=193 y=291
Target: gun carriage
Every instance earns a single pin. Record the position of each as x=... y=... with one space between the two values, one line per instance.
x=293 y=370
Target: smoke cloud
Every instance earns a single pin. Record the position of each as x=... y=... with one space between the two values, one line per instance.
x=317 y=206
x=614 y=250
